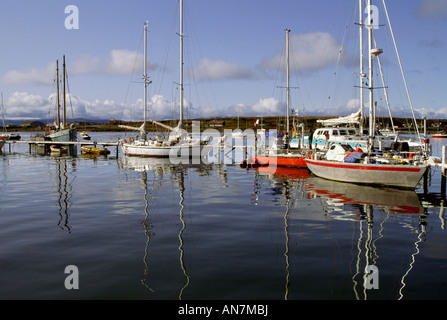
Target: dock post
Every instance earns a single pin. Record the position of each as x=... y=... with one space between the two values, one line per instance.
x=426 y=177
x=443 y=177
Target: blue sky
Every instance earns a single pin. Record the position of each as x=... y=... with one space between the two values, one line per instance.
x=234 y=61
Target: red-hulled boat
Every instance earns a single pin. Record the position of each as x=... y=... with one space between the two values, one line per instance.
x=283 y=160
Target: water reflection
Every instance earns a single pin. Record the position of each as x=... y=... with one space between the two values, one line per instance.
x=285 y=181
x=370 y=209
x=161 y=168
x=147 y=231
x=344 y=197
x=286 y=250
x=64 y=192
x=279 y=233
x=347 y=201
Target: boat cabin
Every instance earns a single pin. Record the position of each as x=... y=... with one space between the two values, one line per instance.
x=338 y=152
x=322 y=135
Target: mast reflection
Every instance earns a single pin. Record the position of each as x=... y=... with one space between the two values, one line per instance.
x=64 y=190
x=159 y=168
x=353 y=202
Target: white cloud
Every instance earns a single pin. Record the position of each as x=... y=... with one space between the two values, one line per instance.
x=220 y=70
x=432 y=113
x=352 y=105
x=123 y=62
x=107 y=109
x=34 y=76
x=269 y=106
x=118 y=62
x=21 y=105
x=85 y=64
x=159 y=107
x=310 y=51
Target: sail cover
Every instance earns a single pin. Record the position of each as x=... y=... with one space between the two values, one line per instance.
x=353 y=118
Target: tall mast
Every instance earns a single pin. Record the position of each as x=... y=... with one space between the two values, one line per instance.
x=370 y=60
x=361 y=62
x=288 y=78
x=180 y=125
x=146 y=80
x=58 y=119
x=64 y=111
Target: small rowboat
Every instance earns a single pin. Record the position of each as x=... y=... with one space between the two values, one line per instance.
x=58 y=149
x=85 y=136
x=439 y=135
x=94 y=150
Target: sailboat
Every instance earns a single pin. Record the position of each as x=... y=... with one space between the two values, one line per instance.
x=278 y=155
x=2 y=137
x=5 y=136
x=238 y=132
x=342 y=163
x=179 y=144
x=61 y=132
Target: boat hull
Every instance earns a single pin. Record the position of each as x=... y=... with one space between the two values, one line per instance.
x=291 y=161
x=186 y=151
x=95 y=151
x=64 y=135
x=403 y=176
x=57 y=149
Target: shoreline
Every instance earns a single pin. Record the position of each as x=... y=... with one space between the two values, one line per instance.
x=221 y=124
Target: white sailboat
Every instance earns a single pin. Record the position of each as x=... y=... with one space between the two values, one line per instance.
x=368 y=168
x=179 y=144
x=238 y=132
x=5 y=136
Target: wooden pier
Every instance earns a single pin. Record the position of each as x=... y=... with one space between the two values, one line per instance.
x=65 y=143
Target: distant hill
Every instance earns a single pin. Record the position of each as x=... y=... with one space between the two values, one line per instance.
x=268 y=123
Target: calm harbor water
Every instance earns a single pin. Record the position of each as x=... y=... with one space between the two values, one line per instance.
x=143 y=229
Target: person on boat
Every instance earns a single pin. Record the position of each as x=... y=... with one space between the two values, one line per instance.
x=310 y=135
x=286 y=139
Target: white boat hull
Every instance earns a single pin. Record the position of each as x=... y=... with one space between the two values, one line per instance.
x=181 y=151
x=404 y=176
